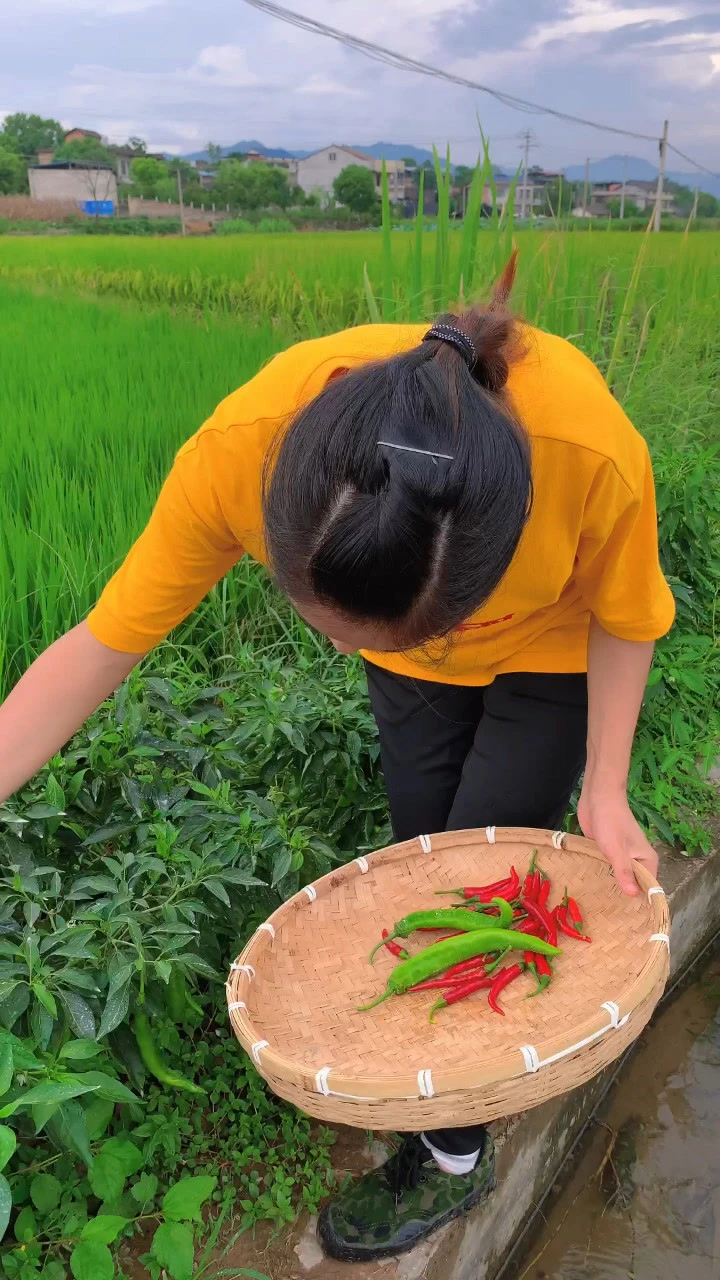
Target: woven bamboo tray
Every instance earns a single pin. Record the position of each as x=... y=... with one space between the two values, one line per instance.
x=292 y=993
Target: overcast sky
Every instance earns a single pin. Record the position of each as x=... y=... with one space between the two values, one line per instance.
x=182 y=72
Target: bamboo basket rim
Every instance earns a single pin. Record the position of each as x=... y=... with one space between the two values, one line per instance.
x=495 y=1067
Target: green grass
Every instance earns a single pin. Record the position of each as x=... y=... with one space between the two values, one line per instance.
x=95 y=400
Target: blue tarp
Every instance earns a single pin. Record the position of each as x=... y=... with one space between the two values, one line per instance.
x=98 y=208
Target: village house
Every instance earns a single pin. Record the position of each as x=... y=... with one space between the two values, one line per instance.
x=318 y=171
x=88 y=183
x=641 y=193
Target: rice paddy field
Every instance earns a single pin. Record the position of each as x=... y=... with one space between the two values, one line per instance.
x=242 y=760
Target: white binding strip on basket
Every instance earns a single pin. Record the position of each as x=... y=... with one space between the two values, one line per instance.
x=268 y=927
x=242 y=968
x=311 y=892
x=655 y=889
x=256 y=1047
x=363 y=864
x=660 y=937
x=490 y=834
x=425 y=844
x=322 y=1086
x=533 y=1061
x=426 y=1087
x=237 y=1004
x=557 y=839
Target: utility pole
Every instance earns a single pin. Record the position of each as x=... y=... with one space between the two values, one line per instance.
x=624 y=184
x=661 y=178
x=526 y=202
x=182 y=209
x=586 y=184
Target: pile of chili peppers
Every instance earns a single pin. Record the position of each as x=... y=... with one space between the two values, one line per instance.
x=491 y=922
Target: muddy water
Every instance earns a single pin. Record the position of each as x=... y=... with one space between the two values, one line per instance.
x=644 y=1201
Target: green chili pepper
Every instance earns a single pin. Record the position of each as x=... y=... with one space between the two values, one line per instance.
x=440 y=918
x=153 y=1060
x=439 y=957
x=177 y=995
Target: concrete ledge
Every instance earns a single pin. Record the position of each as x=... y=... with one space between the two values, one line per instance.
x=532 y=1146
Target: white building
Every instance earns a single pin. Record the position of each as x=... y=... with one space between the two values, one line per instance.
x=77 y=180
x=318 y=171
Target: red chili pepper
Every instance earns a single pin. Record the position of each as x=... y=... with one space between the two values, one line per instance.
x=457 y=933
x=529 y=926
x=502 y=980
x=544 y=894
x=465 y=966
x=543 y=966
x=532 y=886
x=542 y=916
x=394 y=947
x=443 y=982
x=460 y=992
x=508 y=889
x=574 y=914
x=560 y=916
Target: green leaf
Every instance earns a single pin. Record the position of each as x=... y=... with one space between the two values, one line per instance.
x=45 y=1192
x=6 y=1067
x=173 y=1248
x=8 y=1143
x=130 y=1157
x=46 y=998
x=69 y=1130
x=197 y=964
x=184 y=1201
x=98 y=1114
x=80 y=1015
x=42 y=810
x=217 y=889
x=5 y=1205
x=107 y=1177
x=79 y=1050
x=693 y=680
x=145 y=1189
x=43 y=1094
x=108 y=1087
x=91 y=1260
x=25 y=1225
x=115 y=1009
x=105 y=1228
x=281 y=865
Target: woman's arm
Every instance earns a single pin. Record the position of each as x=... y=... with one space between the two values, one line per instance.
x=51 y=701
x=617 y=675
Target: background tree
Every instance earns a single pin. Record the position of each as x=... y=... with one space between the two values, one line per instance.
x=145 y=174
x=137 y=144
x=87 y=149
x=560 y=197
x=631 y=210
x=27 y=134
x=684 y=200
x=215 y=153
x=251 y=186
x=13 y=173
x=355 y=188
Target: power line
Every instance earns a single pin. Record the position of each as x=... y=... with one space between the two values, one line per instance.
x=690 y=160
x=402 y=62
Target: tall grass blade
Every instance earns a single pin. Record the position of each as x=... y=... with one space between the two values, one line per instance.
x=388 y=278
x=442 y=241
x=372 y=306
x=417 y=300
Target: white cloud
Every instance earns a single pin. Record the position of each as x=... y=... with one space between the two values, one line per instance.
x=226 y=65
x=321 y=85
x=598 y=17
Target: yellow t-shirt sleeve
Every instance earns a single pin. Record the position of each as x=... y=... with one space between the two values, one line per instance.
x=618 y=567
x=184 y=550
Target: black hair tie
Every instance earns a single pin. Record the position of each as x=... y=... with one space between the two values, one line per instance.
x=450 y=333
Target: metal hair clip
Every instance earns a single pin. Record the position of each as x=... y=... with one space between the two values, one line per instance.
x=407 y=448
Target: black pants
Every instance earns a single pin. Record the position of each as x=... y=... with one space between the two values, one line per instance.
x=508 y=754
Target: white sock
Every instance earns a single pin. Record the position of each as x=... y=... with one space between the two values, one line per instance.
x=452 y=1164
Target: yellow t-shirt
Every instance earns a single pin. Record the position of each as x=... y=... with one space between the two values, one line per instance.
x=590 y=545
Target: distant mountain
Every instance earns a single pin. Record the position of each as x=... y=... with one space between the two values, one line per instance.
x=395 y=151
x=250 y=144
x=611 y=170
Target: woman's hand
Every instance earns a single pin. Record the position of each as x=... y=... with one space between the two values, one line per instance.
x=607 y=819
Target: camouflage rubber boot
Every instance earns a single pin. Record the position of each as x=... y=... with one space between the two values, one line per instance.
x=391 y=1209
